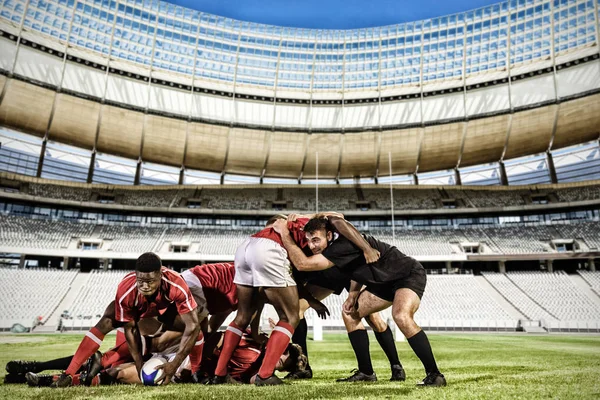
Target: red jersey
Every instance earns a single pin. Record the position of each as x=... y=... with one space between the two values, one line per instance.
x=217 y=285
x=295 y=228
x=245 y=360
x=130 y=305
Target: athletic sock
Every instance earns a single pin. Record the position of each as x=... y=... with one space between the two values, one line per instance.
x=359 y=340
x=116 y=356
x=386 y=341
x=231 y=339
x=88 y=346
x=59 y=363
x=278 y=342
x=300 y=334
x=422 y=348
x=196 y=353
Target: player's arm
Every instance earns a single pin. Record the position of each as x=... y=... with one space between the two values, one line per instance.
x=315 y=262
x=134 y=341
x=320 y=308
x=188 y=340
x=350 y=303
x=294 y=217
x=348 y=230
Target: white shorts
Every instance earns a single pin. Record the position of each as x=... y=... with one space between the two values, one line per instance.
x=196 y=289
x=261 y=262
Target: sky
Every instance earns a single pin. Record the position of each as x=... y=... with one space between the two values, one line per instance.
x=332 y=14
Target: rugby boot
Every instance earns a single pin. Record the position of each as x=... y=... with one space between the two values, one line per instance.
x=433 y=379
x=21 y=367
x=63 y=381
x=14 y=378
x=270 y=381
x=91 y=368
x=38 y=380
x=398 y=373
x=305 y=374
x=359 y=377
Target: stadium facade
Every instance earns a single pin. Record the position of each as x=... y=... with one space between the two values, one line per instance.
x=173 y=90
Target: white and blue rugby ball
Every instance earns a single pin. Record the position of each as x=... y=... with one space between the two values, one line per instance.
x=149 y=374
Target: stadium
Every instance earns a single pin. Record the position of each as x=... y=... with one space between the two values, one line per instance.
x=469 y=141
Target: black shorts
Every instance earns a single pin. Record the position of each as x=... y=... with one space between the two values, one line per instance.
x=331 y=278
x=416 y=281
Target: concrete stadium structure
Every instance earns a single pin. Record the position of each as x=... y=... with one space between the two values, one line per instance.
x=157 y=83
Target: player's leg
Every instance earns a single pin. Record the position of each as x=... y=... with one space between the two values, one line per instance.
x=301 y=331
x=384 y=337
x=285 y=302
x=367 y=304
x=89 y=345
x=246 y=308
x=406 y=303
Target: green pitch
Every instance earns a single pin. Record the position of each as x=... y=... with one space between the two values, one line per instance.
x=477 y=366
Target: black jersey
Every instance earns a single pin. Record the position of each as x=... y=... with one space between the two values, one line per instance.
x=392 y=265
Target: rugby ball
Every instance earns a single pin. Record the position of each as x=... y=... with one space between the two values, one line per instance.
x=149 y=374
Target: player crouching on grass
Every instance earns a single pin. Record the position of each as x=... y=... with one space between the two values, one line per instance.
x=395 y=280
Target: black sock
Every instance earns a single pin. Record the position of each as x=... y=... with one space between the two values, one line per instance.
x=58 y=363
x=386 y=341
x=422 y=348
x=360 y=343
x=299 y=338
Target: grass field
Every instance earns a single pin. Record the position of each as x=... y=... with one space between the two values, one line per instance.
x=477 y=366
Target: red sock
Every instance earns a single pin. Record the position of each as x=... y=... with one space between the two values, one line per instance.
x=116 y=356
x=196 y=353
x=120 y=337
x=278 y=342
x=88 y=346
x=232 y=338
x=76 y=380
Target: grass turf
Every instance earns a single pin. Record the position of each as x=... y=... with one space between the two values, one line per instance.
x=477 y=366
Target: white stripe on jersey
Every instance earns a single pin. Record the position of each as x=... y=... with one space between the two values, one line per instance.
x=122 y=297
x=187 y=300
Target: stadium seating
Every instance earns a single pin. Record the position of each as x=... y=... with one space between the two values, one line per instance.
x=593 y=279
x=31 y=295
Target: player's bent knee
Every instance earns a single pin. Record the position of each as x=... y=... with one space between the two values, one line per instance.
x=404 y=321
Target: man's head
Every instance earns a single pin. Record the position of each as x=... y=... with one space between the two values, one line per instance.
x=292 y=359
x=318 y=233
x=274 y=218
x=148 y=273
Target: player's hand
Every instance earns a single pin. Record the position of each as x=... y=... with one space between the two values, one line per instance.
x=320 y=308
x=350 y=305
x=169 y=369
x=272 y=323
x=372 y=255
x=280 y=226
x=261 y=338
x=293 y=217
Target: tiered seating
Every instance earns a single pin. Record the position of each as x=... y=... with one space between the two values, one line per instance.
x=497 y=198
x=420 y=242
x=452 y=300
x=146 y=198
x=212 y=241
x=129 y=239
x=60 y=192
x=22 y=232
x=556 y=293
x=93 y=297
x=237 y=199
x=304 y=199
x=520 y=240
x=31 y=293
x=517 y=297
x=588 y=231
x=579 y=193
x=593 y=279
x=404 y=199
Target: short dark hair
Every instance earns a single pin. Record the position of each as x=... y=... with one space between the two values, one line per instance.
x=316 y=224
x=274 y=218
x=148 y=262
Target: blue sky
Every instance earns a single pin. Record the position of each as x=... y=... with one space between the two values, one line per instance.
x=332 y=14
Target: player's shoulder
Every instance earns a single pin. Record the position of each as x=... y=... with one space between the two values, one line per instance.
x=127 y=286
x=172 y=277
